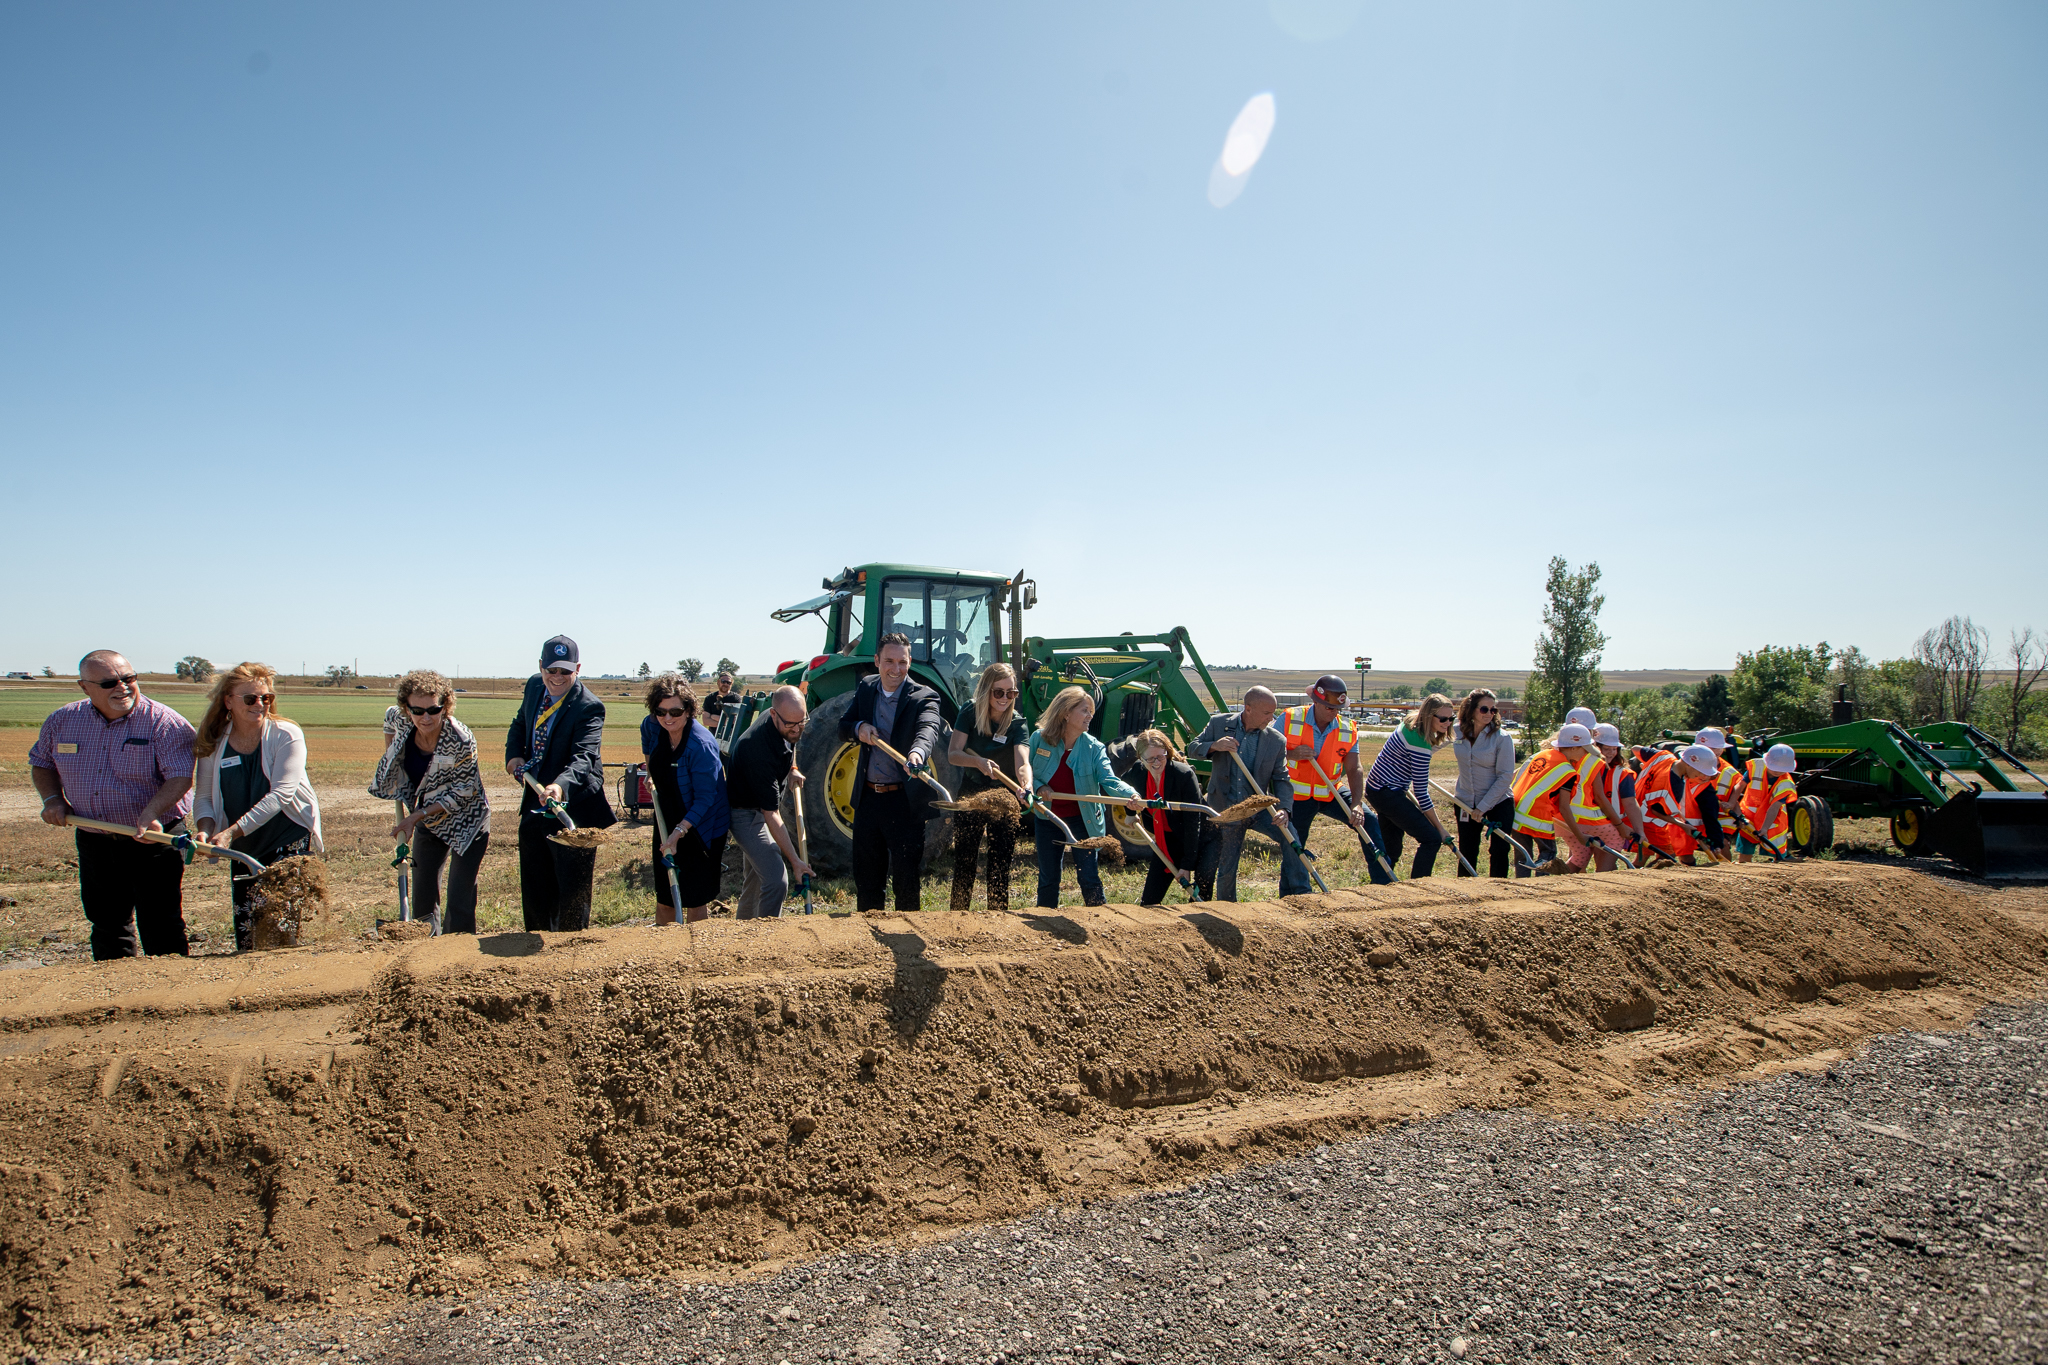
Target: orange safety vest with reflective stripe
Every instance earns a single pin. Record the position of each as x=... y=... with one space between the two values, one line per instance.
x=1724 y=788
x=1766 y=786
x=1597 y=778
x=1299 y=731
x=1537 y=789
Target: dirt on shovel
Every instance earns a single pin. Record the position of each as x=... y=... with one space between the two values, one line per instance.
x=287 y=896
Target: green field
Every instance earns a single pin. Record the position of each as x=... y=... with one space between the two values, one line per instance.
x=26 y=706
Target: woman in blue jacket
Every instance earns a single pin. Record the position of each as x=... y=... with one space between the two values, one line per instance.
x=1066 y=758
x=678 y=742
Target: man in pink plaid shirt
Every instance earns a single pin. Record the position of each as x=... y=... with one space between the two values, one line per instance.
x=120 y=757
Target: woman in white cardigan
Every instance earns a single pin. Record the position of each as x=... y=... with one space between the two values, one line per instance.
x=249 y=787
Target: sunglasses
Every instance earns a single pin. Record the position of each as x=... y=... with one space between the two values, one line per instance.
x=260 y=699
x=561 y=672
x=1446 y=720
x=1002 y=691
x=422 y=710
x=670 y=711
x=109 y=684
x=1485 y=710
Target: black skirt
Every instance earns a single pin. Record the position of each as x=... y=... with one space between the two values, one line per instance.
x=698 y=869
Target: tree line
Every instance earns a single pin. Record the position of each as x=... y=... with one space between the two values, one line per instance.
x=1952 y=672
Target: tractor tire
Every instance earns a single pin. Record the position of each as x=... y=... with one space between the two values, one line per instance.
x=1813 y=826
x=1913 y=831
x=828 y=764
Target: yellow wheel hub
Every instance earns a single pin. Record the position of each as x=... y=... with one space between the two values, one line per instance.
x=1906 y=827
x=1802 y=827
x=839 y=786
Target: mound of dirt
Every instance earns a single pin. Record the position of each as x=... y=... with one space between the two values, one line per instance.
x=193 y=1139
x=581 y=838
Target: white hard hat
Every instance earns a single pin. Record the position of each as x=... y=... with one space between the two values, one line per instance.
x=1779 y=758
x=1701 y=760
x=1581 y=715
x=1712 y=738
x=1603 y=733
x=1573 y=734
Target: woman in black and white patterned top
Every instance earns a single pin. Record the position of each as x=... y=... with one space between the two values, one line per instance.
x=431 y=766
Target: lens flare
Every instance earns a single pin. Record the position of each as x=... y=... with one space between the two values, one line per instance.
x=1243 y=145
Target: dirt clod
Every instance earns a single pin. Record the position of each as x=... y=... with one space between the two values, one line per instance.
x=1244 y=810
x=581 y=837
x=287 y=897
x=992 y=805
x=404 y=930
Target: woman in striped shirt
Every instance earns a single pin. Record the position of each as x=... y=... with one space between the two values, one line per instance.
x=1403 y=767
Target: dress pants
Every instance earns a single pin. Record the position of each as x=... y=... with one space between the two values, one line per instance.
x=428 y=853
x=1157 y=880
x=555 y=881
x=1222 y=846
x=888 y=847
x=1498 y=849
x=1400 y=815
x=131 y=890
x=1002 y=852
x=765 y=885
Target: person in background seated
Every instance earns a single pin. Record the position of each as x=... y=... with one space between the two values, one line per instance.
x=431 y=765
x=250 y=789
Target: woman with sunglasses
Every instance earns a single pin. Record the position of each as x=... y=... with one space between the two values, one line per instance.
x=430 y=764
x=1486 y=775
x=249 y=786
x=1402 y=768
x=688 y=774
x=994 y=740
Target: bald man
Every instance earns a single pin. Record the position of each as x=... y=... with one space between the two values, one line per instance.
x=1252 y=735
x=762 y=760
x=120 y=757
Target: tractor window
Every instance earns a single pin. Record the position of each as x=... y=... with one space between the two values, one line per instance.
x=951 y=627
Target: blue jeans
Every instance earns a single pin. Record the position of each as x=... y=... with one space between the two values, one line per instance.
x=1051 y=851
x=1305 y=812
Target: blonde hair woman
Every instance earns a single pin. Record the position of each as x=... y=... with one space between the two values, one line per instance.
x=1066 y=758
x=1403 y=768
x=993 y=740
x=249 y=786
x=430 y=764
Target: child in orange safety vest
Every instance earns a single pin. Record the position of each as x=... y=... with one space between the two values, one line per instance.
x=1728 y=779
x=1543 y=791
x=1767 y=802
x=1680 y=810
x=1595 y=802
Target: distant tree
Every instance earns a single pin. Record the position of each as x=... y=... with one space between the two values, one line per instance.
x=1401 y=692
x=192 y=668
x=645 y=671
x=1442 y=685
x=1957 y=651
x=337 y=674
x=691 y=669
x=2028 y=655
x=1646 y=714
x=49 y=672
x=1710 y=704
x=1567 y=663
x=728 y=666
x=1675 y=689
x=1779 y=688
x=1506 y=694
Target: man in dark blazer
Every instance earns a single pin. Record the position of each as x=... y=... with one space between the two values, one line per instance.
x=890 y=806
x=558 y=738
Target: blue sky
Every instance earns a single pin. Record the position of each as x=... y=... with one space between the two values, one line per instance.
x=416 y=334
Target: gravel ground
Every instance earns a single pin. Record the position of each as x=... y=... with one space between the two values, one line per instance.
x=1891 y=1208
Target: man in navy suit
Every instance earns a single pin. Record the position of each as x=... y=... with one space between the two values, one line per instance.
x=558 y=737
x=890 y=806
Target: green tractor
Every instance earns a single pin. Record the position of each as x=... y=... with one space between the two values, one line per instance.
x=959 y=621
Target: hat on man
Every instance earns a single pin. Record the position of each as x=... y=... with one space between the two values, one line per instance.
x=1573 y=735
x=1581 y=715
x=1701 y=760
x=1329 y=689
x=1712 y=738
x=1603 y=733
x=1779 y=758
x=560 y=652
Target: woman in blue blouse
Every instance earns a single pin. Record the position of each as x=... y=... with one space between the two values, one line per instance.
x=1065 y=758
x=689 y=779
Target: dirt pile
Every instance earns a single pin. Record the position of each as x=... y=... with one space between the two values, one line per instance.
x=195 y=1139
x=288 y=899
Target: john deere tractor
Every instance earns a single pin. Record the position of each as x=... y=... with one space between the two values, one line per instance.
x=959 y=621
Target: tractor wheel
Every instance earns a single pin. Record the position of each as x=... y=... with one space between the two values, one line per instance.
x=1913 y=832
x=1123 y=825
x=828 y=764
x=1823 y=825
x=1813 y=826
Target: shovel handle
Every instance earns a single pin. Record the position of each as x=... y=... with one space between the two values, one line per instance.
x=918 y=773
x=1300 y=849
x=548 y=803
x=184 y=843
x=1033 y=804
x=1372 y=850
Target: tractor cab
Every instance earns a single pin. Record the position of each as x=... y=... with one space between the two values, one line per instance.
x=952 y=617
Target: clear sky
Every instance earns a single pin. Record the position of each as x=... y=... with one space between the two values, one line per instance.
x=418 y=333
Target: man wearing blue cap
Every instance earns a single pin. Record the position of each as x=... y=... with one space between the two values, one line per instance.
x=558 y=739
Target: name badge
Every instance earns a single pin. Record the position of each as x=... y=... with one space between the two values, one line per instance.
x=135 y=739
x=234 y=762
x=64 y=748
x=1045 y=753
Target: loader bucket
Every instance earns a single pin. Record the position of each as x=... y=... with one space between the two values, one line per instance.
x=1995 y=834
